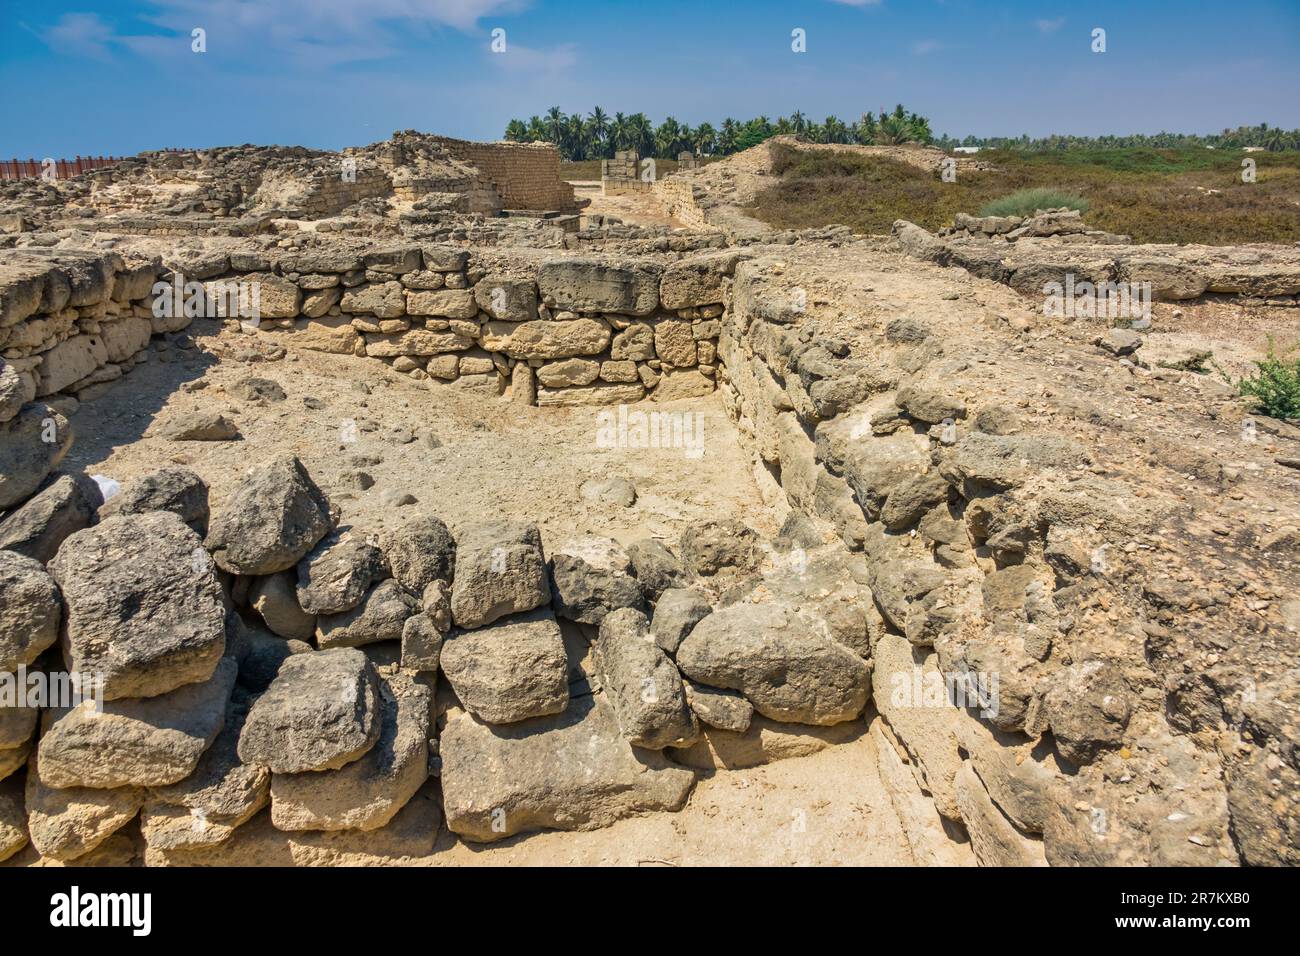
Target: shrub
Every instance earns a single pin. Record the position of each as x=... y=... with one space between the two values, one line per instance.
x=1276 y=389
x=1026 y=201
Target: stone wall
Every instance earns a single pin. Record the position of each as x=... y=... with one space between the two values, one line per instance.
x=527 y=175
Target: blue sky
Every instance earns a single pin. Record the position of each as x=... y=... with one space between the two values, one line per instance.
x=117 y=77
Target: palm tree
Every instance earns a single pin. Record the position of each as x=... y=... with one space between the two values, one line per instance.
x=798 y=122
x=516 y=132
x=618 y=132
x=704 y=139
x=536 y=129
x=598 y=131
x=554 y=125
x=727 y=136
x=667 y=137
x=640 y=134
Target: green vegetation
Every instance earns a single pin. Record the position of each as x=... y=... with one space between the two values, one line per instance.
x=599 y=135
x=1272 y=138
x=1276 y=388
x=1154 y=195
x=1025 y=202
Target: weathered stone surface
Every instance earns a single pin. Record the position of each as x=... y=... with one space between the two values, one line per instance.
x=598 y=394
x=723 y=709
x=574 y=371
x=70 y=361
x=257 y=390
x=175 y=489
x=275 y=598
x=990 y=463
x=447 y=303
x=320 y=713
x=994 y=838
x=546 y=340
x=573 y=771
x=66 y=504
x=13 y=819
x=200 y=426
x=699 y=280
x=592 y=576
x=1017 y=772
x=911 y=694
x=676 y=383
x=379 y=617
x=780 y=661
x=422 y=641
x=29 y=612
x=148 y=742
x=709 y=547
x=206 y=807
x=368 y=792
x=636 y=343
x=32 y=444
x=676 y=612
x=657 y=568
x=642 y=683
x=417 y=342
x=511 y=670
x=600 y=285
x=674 y=343
x=420 y=551
x=763 y=741
x=17 y=724
x=337 y=573
x=500 y=570
x=142 y=604
x=384 y=300
x=270 y=519
x=507 y=298
x=15 y=391
x=69 y=823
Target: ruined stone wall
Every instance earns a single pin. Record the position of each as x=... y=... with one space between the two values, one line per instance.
x=678 y=197
x=527 y=175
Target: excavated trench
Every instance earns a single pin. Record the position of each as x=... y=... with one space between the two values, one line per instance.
x=696 y=558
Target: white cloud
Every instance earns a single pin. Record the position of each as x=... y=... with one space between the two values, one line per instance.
x=522 y=59
x=1049 y=26
x=922 y=47
x=319 y=33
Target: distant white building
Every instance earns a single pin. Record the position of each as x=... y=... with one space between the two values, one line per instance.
x=966 y=149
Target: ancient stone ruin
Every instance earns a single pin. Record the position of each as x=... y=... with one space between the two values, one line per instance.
x=380 y=511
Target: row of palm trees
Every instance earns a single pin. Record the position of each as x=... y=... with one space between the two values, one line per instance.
x=1268 y=137
x=599 y=135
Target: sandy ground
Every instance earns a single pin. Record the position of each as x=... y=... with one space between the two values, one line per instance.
x=466 y=457
x=635 y=210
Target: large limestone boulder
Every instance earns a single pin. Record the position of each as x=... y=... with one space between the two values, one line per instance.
x=66 y=504
x=993 y=837
x=626 y=287
x=70 y=822
x=320 y=713
x=142 y=605
x=511 y=670
x=676 y=613
x=380 y=617
x=420 y=551
x=573 y=771
x=29 y=611
x=500 y=570
x=270 y=519
x=221 y=794
x=70 y=361
x=642 y=683
x=32 y=444
x=546 y=340
x=508 y=298
x=337 y=574
x=174 y=488
x=591 y=576
x=275 y=598
x=780 y=660
x=148 y=742
x=369 y=792
x=699 y=280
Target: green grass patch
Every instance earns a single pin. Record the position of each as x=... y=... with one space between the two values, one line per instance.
x=1276 y=386
x=1025 y=202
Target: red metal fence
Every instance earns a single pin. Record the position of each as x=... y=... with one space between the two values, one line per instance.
x=62 y=168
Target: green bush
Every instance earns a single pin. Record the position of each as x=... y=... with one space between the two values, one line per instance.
x=1027 y=201
x=1276 y=389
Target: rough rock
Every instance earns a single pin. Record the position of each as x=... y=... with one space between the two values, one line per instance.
x=500 y=570
x=723 y=709
x=599 y=285
x=657 y=568
x=511 y=670
x=379 y=617
x=29 y=612
x=69 y=823
x=320 y=713
x=573 y=771
x=147 y=742
x=64 y=505
x=780 y=661
x=175 y=489
x=369 y=792
x=142 y=604
x=591 y=576
x=419 y=552
x=676 y=612
x=32 y=444
x=270 y=519
x=642 y=683
x=200 y=426
x=275 y=598
x=337 y=573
